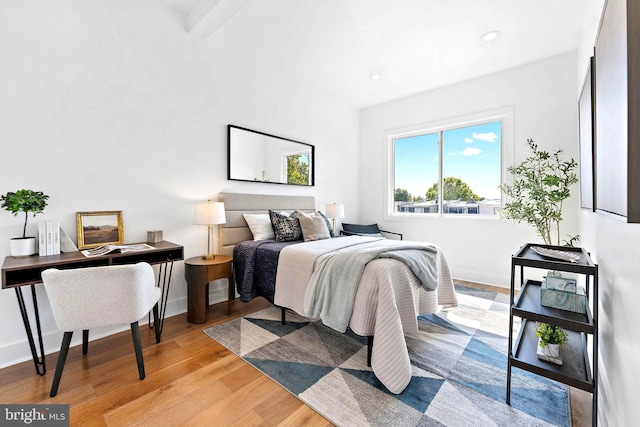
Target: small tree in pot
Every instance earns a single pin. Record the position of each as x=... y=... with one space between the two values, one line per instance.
x=541 y=183
x=24 y=201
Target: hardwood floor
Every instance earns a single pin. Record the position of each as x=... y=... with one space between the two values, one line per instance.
x=191 y=380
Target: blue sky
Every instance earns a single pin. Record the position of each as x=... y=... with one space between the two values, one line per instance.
x=470 y=153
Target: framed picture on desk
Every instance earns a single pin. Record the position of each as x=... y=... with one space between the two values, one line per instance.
x=99 y=228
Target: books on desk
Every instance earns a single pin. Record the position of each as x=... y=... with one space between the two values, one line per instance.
x=52 y=239
x=110 y=248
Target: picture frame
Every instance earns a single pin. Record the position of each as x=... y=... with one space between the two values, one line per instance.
x=99 y=228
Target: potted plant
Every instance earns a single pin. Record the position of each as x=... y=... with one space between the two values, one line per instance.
x=24 y=201
x=551 y=338
x=541 y=183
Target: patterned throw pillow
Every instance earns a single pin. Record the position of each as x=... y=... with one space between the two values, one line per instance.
x=285 y=228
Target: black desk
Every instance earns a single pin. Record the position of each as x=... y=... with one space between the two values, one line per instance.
x=25 y=271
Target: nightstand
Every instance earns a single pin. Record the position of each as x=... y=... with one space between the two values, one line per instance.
x=199 y=272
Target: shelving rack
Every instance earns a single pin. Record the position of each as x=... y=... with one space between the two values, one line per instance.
x=576 y=369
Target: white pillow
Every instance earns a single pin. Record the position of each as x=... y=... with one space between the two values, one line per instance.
x=260 y=226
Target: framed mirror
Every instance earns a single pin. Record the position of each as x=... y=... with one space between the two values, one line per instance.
x=259 y=157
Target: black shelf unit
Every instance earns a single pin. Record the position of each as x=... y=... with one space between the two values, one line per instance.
x=576 y=369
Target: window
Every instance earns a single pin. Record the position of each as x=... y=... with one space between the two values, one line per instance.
x=295 y=168
x=453 y=170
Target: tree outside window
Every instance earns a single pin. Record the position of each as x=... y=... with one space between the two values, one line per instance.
x=298 y=169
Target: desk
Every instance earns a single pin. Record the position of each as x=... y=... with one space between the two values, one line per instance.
x=199 y=272
x=25 y=271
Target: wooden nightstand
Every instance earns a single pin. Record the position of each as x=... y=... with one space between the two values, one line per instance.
x=199 y=272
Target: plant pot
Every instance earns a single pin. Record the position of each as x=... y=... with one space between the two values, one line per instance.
x=22 y=246
x=550 y=352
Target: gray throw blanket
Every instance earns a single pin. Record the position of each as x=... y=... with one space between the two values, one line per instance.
x=332 y=288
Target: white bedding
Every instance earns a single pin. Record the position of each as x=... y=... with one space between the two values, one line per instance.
x=388 y=300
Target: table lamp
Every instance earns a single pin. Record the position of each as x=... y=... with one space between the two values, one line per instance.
x=334 y=211
x=209 y=214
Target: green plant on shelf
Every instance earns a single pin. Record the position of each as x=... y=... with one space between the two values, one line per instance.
x=550 y=334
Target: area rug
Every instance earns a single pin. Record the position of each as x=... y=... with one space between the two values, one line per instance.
x=459 y=369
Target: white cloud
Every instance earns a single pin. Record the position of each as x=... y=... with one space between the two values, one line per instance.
x=468 y=140
x=470 y=151
x=489 y=136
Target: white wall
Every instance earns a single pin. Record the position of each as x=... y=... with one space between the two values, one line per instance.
x=543 y=99
x=614 y=246
x=113 y=106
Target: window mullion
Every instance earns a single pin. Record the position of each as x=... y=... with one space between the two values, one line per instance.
x=440 y=172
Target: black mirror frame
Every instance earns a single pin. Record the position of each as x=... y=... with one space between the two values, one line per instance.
x=229 y=142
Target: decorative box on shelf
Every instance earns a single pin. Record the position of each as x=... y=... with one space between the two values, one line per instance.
x=563 y=293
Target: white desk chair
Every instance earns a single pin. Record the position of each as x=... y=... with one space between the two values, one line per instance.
x=93 y=297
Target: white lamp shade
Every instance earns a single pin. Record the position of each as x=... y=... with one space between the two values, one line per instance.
x=210 y=213
x=334 y=211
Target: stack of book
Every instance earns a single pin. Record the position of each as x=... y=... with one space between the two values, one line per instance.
x=52 y=239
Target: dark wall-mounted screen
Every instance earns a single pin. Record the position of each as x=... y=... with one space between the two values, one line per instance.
x=587 y=147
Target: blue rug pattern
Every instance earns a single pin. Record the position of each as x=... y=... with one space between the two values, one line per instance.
x=459 y=367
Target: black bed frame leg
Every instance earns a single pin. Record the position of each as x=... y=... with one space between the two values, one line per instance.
x=284 y=320
x=369 y=347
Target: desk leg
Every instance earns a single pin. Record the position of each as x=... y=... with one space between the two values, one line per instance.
x=38 y=361
x=164 y=282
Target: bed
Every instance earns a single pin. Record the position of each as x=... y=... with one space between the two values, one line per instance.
x=388 y=299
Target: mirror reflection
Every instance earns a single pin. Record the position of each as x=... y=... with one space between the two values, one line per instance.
x=260 y=157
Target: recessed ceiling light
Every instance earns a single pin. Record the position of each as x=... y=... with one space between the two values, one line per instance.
x=490 y=36
x=375 y=76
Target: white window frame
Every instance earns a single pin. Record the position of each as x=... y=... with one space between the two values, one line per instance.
x=285 y=157
x=504 y=114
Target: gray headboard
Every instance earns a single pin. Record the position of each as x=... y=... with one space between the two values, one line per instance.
x=235 y=204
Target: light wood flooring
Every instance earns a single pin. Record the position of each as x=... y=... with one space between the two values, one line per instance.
x=191 y=381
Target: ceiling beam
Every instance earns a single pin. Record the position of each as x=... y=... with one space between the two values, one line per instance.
x=208 y=16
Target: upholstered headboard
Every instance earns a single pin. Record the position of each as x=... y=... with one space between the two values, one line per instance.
x=236 y=229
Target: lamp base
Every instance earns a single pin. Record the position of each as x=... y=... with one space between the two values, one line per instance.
x=208 y=256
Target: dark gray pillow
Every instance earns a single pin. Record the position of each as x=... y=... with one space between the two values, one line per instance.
x=286 y=228
x=326 y=220
x=361 y=229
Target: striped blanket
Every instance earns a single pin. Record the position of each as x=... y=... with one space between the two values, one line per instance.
x=388 y=299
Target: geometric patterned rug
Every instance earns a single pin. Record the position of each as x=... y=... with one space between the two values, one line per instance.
x=458 y=369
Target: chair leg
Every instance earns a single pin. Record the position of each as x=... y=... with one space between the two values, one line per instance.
x=62 y=357
x=85 y=342
x=156 y=323
x=135 y=333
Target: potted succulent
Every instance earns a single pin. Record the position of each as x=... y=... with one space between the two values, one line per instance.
x=551 y=338
x=24 y=201
x=541 y=183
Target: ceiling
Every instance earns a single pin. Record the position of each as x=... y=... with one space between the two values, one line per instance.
x=416 y=45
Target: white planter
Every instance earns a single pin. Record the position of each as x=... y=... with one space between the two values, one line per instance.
x=22 y=246
x=551 y=353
